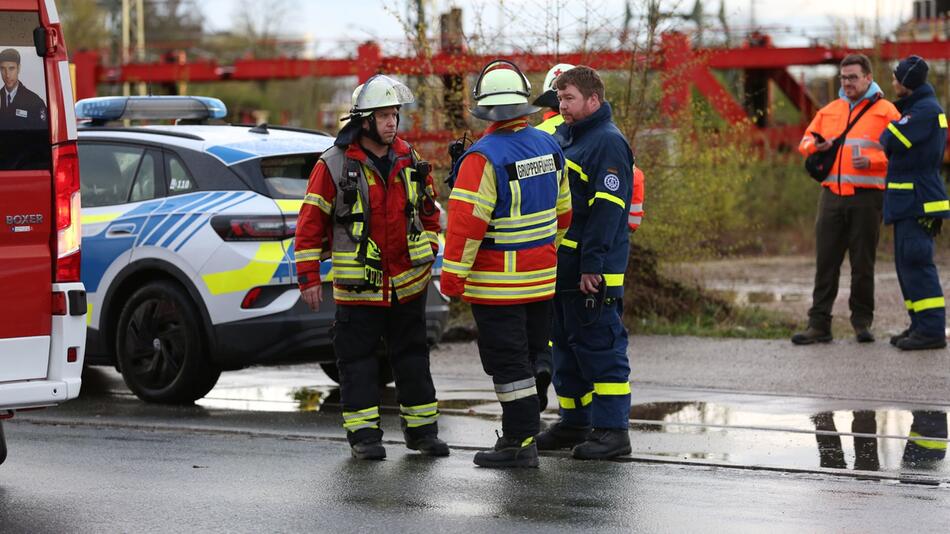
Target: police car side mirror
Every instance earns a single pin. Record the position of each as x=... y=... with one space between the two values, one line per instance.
x=40 y=41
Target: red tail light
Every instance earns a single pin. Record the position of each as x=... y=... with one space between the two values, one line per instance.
x=72 y=354
x=251 y=298
x=68 y=232
x=59 y=303
x=254 y=228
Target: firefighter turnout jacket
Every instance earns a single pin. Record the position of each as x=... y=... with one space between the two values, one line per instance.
x=831 y=121
x=914 y=145
x=510 y=204
x=384 y=230
x=550 y=123
x=597 y=240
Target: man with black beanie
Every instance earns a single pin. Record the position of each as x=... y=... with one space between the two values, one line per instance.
x=916 y=202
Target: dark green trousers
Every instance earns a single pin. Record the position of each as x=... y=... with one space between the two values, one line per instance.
x=852 y=225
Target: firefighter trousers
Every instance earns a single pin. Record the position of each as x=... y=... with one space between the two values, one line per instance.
x=917 y=275
x=358 y=333
x=591 y=369
x=509 y=336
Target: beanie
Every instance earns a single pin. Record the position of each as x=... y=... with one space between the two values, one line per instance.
x=911 y=72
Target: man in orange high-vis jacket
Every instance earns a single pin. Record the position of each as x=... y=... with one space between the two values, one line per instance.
x=852 y=199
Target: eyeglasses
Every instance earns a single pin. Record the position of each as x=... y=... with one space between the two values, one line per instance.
x=850 y=78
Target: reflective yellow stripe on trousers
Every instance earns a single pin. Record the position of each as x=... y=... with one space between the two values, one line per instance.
x=612 y=388
x=570 y=403
x=420 y=415
x=367 y=418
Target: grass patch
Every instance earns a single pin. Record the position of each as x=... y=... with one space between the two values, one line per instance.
x=740 y=322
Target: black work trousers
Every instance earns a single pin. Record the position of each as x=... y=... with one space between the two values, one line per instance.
x=509 y=337
x=852 y=225
x=357 y=333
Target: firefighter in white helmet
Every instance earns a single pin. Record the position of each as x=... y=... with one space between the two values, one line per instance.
x=510 y=202
x=382 y=263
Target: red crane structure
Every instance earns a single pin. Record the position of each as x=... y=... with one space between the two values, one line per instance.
x=682 y=68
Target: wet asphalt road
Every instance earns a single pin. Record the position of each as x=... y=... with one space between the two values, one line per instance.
x=737 y=435
x=88 y=479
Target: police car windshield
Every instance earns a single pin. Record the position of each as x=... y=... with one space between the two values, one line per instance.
x=286 y=176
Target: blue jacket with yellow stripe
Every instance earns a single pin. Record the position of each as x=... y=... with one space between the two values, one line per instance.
x=914 y=146
x=600 y=170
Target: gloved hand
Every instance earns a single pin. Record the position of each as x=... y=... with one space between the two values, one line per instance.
x=932 y=225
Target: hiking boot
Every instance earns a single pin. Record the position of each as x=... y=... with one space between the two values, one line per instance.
x=918 y=341
x=561 y=436
x=543 y=381
x=428 y=445
x=863 y=335
x=604 y=444
x=509 y=452
x=368 y=450
x=810 y=336
x=898 y=337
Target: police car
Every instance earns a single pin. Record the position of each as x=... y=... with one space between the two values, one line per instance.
x=187 y=235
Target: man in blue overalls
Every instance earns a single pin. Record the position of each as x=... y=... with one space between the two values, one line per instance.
x=591 y=370
x=916 y=203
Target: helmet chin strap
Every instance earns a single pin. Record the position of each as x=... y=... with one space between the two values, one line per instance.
x=373 y=131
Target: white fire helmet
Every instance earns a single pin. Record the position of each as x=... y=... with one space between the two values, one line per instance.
x=378 y=92
x=501 y=92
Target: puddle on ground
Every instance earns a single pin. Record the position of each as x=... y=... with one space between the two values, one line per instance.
x=887 y=440
x=770 y=432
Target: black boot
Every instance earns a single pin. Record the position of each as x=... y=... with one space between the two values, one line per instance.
x=603 y=444
x=560 y=436
x=898 y=337
x=368 y=450
x=812 y=335
x=918 y=341
x=509 y=452
x=543 y=381
x=863 y=334
x=428 y=445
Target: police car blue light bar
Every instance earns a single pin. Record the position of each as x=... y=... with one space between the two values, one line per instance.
x=115 y=108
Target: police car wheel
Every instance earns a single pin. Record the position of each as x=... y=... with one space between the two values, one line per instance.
x=385 y=371
x=160 y=347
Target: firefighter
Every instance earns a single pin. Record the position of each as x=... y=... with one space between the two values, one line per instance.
x=591 y=369
x=916 y=203
x=372 y=198
x=552 y=118
x=510 y=202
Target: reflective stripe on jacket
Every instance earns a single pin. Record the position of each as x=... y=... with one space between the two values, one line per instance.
x=635 y=217
x=831 y=121
x=388 y=223
x=510 y=203
x=914 y=145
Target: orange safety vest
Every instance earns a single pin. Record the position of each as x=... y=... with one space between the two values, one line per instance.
x=831 y=121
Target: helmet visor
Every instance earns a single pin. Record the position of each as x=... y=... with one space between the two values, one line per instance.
x=381 y=91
